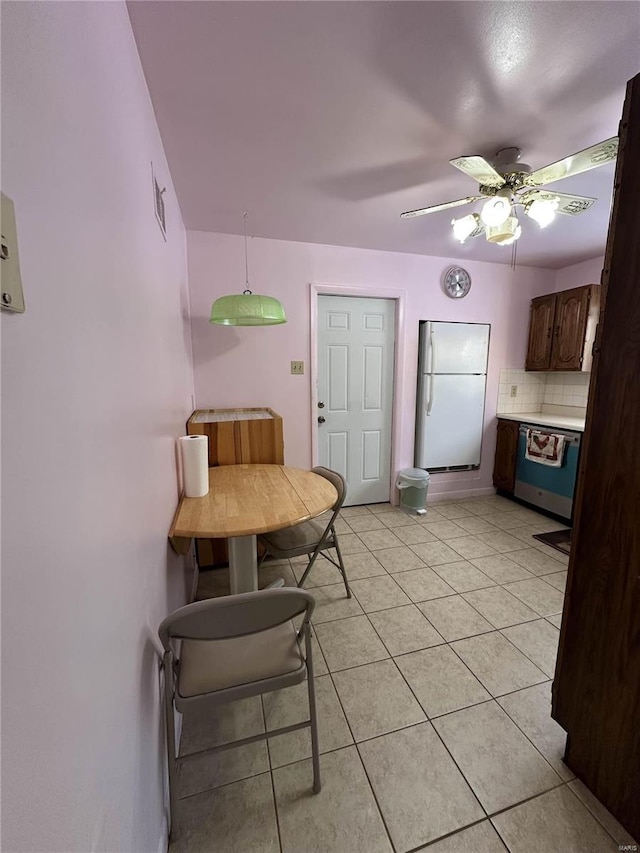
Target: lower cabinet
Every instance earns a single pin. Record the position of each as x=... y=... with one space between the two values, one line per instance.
x=504 y=469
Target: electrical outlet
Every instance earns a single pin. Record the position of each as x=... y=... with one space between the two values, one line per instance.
x=297 y=368
x=514 y=390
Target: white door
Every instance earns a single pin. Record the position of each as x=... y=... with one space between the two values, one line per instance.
x=450 y=420
x=355 y=393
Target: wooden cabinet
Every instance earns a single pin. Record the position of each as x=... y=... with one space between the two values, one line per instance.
x=543 y=311
x=504 y=469
x=240 y=436
x=596 y=695
x=236 y=436
x=562 y=328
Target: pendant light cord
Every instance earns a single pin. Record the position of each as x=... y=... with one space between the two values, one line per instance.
x=246 y=258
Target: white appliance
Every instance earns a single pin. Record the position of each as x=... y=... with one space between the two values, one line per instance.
x=452 y=376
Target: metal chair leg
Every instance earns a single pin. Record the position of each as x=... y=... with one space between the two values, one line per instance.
x=309 y=567
x=342 y=568
x=171 y=742
x=313 y=718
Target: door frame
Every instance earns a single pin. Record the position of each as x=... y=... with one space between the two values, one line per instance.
x=397 y=406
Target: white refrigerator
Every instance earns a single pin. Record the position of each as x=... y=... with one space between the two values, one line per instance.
x=452 y=377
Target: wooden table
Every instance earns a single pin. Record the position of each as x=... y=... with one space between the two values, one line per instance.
x=245 y=500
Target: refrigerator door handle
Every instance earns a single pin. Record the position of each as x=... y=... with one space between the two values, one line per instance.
x=430 y=403
x=433 y=351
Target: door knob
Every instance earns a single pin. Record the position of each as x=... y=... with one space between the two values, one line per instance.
x=321 y=420
x=320 y=404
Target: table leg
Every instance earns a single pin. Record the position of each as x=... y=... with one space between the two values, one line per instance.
x=243 y=564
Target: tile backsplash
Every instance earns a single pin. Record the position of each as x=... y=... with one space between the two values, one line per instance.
x=567 y=389
x=534 y=389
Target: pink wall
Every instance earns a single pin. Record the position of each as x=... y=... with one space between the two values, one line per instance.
x=588 y=272
x=96 y=384
x=250 y=366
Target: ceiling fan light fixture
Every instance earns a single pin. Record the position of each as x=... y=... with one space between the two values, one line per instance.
x=542 y=211
x=505 y=234
x=467 y=226
x=497 y=210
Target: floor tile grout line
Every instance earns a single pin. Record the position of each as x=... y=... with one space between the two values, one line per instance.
x=225 y=785
x=354 y=743
x=537 y=665
x=497 y=631
x=486 y=618
x=488 y=815
x=413 y=604
x=491 y=581
x=506 y=809
x=519 y=727
x=451 y=835
x=595 y=816
x=375 y=798
x=438 y=735
x=275 y=810
x=542 y=578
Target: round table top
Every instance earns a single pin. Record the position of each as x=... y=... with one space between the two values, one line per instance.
x=249 y=499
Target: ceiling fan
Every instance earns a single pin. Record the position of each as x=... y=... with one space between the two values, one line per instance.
x=509 y=183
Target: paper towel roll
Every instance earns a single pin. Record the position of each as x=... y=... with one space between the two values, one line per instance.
x=194 y=450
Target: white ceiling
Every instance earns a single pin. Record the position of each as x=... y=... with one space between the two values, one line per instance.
x=326 y=120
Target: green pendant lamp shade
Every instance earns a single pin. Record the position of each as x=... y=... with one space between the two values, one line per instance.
x=247 y=308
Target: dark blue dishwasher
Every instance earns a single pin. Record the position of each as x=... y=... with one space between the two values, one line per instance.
x=541 y=485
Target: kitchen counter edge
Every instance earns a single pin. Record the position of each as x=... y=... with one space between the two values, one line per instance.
x=543 y=419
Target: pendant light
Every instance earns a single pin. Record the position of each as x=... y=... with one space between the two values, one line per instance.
x=247 y=308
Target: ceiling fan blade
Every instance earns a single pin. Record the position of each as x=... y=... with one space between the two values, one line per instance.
x=582 y=161
x=570 y=205
x=436 y=207
x=478 y=169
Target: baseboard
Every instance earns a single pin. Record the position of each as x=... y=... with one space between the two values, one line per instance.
x=487 y=491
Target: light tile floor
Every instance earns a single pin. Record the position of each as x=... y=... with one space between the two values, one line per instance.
x=434 y=696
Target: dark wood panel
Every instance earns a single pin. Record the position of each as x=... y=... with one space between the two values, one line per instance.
x=504 y=469
x=572 y=309
x=540 y=327
x=596 y=692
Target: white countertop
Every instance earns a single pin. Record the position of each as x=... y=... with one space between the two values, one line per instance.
x=545 y=419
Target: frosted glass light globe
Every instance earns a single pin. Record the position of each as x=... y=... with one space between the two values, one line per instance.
x=464 y=227
x=496 y=211
x=542 y=211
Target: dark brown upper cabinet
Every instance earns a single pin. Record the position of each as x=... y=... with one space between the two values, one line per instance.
x=543 y=311
x=562 y=329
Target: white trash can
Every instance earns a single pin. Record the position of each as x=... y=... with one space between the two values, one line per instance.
x=413 y=484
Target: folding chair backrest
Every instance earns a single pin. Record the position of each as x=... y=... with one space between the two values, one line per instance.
x=235 y=615
x=338 y=481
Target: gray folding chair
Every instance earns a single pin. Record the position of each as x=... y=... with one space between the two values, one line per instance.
x=223 y=649
x=313 y=537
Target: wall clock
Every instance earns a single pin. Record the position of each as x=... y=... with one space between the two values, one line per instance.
x=456 y=282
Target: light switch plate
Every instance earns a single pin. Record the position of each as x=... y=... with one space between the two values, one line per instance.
x=11 y=296
x=297 y=368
